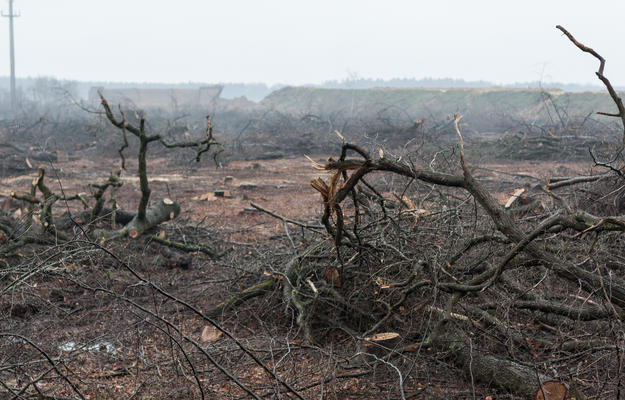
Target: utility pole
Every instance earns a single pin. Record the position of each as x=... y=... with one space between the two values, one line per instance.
x=10 y=16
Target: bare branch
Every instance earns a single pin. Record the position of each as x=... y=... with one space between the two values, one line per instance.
x=615 y=97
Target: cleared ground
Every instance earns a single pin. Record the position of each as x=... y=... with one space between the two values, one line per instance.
x=107 y=332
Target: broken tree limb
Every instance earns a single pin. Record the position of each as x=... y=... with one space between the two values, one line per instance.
x=581 y=313
x=285 y=219
x=49 y=198
x=27 y=197
x=615 y=97
x=575 y=180
x=113 y=181
x=185 y=247
x=505 y=374
x=503 y=221
x=201 y=146
x=244 y=295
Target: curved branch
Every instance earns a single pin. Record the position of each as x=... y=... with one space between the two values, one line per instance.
x=615 y=97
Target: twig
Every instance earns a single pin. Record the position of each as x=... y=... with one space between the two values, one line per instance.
x=285 y=219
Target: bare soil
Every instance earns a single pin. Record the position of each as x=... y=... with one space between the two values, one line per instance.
x=83 y=314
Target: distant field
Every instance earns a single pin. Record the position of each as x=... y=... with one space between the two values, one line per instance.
x=484 y=109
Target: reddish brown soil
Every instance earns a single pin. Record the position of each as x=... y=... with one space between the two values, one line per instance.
x=281 y=185
x=143 y=366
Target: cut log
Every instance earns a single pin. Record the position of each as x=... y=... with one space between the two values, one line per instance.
x=65 y=222
x=379 y=344
x=248 y=186
x=156 y=214
x=223 y=193
x=504 y=374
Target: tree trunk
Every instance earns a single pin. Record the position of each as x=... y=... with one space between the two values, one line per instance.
x=479 y=367
x=157 y=213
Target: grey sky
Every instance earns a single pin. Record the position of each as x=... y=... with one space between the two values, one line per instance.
x=297 y=42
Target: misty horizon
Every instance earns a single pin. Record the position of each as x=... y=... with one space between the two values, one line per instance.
x=256 y=91
x=286 y=43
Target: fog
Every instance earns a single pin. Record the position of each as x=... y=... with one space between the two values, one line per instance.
x=296 y=42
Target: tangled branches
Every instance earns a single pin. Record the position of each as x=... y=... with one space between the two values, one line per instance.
x=464 y=262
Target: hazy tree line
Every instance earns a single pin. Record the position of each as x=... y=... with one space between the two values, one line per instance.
x=297 y=121
x=256 y=91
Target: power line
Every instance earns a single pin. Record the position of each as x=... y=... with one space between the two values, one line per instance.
x=10 y=16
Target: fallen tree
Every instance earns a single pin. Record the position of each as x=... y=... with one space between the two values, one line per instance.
x=166 y=209
x=41 y=199
x=422 y=250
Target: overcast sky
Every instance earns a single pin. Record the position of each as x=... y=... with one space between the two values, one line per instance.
x=296 y=42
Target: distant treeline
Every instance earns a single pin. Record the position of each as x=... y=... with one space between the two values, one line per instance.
x=257 y=91
x=362 y=83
